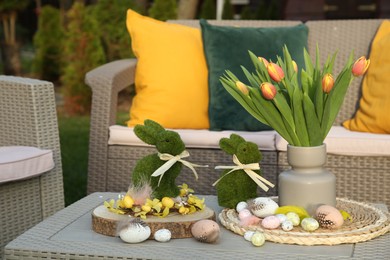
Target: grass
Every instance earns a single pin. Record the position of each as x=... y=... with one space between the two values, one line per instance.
x=74 y=139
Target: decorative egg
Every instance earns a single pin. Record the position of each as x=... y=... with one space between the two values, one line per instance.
x=263 y=207
x=294 y=218
x=270 y=222
x=281 y=217
x=258 y=239
x=329 y=217
x=206 y=231
x=135 y=231
x=243 y=214
x=162 y=235
x=248 y=235
x=309 y=224
x=287 y=225
x=241 y=205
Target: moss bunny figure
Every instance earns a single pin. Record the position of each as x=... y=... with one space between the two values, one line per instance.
x=162 y=168
x=239 y=183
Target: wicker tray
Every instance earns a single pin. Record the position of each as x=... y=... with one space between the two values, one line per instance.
x=367 y=223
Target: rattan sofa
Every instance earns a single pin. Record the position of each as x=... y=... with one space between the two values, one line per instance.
x=28 y=118
x=365 y=178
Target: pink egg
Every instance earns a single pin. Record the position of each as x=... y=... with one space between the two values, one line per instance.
x=329 y=217
x=270 y=222
x=245 y=213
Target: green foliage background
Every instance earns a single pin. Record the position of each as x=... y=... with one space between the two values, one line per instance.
x=48 y=42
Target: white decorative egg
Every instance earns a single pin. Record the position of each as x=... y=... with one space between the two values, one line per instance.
x=162 y=235
x=243 y=214
x=287 y=225
x=206 y=231
x=135 y=231
x=248 y=235
x=309 y=224
x=270 y=222
x=329 y=217
x=281 y=217
x=263 y=207
x=294 y=218
x=241 y=205
x=258 y=239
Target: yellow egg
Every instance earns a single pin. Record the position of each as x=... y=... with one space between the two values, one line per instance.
x=128 y=201
x=146 y=208
x=258 y=239
x=167 y=202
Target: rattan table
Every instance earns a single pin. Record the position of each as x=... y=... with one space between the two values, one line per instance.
x=69 y=235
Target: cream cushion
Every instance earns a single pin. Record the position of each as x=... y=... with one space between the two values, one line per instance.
x=345 y=142
x=22 y=162
x=122 y=135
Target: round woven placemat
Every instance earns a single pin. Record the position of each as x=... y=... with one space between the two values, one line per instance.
x=367 y=223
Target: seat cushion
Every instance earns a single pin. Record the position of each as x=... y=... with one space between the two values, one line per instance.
x=171 y=76
x=345 y=142
x=22 y=162
x=121 y=135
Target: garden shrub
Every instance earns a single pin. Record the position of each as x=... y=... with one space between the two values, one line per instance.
x=48 y=42
x=82 y=52
x=163 y=10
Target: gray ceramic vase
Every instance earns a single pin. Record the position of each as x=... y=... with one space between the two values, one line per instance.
x=307 y=184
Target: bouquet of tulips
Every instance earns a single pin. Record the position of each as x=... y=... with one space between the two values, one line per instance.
x=301 y=107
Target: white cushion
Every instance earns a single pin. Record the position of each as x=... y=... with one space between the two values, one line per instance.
x=345 y=142
x=22 y=162
x=122 y=135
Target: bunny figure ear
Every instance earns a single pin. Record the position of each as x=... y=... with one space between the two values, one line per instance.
x=237 y=139
x=229 y=145
x=149 y=131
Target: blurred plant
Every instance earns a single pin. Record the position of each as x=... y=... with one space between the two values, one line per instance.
x=82 y=52
x=208 y=10
x=9 y=45
x=164 y=10
x=111 y=16
x=48 y=43
x=228 y=11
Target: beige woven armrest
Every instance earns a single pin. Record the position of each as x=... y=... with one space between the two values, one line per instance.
x=106 y=82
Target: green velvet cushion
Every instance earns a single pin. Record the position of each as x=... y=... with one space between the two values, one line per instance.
x=226 y=48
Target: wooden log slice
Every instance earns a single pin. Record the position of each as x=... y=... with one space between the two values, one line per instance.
x=106 y=222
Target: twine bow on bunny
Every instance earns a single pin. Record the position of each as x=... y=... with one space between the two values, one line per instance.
x=248 y=168
x=171 y=160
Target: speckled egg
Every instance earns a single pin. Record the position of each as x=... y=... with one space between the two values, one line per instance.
x=287 y=225
x=263 y=207
x=206 y=231
x=329 y=217
x=135 y=231
x=281 y=217
x=258 y=239
x=270 y=222
x=162 y=235
x=241 y=205
x=294 y=218
x=243 y=214
x=248 y=235
x=309 y=224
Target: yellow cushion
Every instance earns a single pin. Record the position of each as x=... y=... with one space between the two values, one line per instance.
x=171 y=75
x=373 y=113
